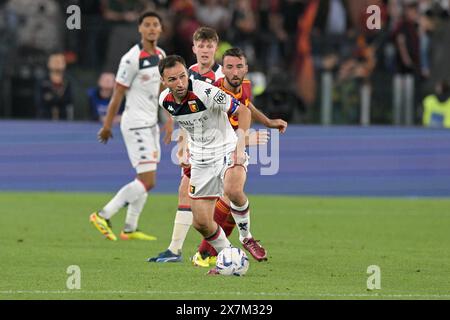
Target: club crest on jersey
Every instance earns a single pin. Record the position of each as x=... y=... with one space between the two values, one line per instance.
x=192 y=189
x=193 y=106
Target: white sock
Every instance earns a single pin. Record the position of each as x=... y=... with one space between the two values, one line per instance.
x=241 y=216
x=219 y=240
x=128 y=194
x=134 y=211
x=183 y=221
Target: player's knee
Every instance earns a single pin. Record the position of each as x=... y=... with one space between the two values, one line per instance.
x=149 y=184
x=201 y=226
x=233 y=193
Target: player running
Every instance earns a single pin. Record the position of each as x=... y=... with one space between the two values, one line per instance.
x=205 y=42
x=139 y=81
x=202 y=110
x=235 y=69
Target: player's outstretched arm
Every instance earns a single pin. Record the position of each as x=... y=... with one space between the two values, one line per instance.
x=105 y=132
x=260 y=117
x=245 y=118
x=167 y=127
x=183 y=151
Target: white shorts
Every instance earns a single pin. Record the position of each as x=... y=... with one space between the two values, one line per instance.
x=143 y=147
x=207 y=181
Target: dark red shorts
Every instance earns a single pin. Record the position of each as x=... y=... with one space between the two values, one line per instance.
x=187 y=172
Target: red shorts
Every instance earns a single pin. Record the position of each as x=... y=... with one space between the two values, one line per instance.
x=187 y=172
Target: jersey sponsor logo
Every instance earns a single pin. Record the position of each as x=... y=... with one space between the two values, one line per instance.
x=193 y=106
x=220 y=97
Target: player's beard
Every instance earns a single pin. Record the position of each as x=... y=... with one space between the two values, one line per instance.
x=232 y=82
x=179 y=96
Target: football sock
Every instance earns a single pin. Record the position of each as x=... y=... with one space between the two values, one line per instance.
x=183 y=221
x=218 y=240
x=221 y=214
x=242 y=217
x=134 y=211
x=128 y=194
x=228 y=226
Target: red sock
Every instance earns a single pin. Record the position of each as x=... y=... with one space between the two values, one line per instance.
x=228 y=226
x=222 y=212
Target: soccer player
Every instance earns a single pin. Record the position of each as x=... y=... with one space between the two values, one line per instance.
x=205 y=42
x=139 y=81
x=235 y=69
x=202 y=110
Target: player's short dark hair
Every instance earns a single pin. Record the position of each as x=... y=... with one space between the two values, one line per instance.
x=149 y=14
x=169 y=62
x=234 y=52
x=205 y=33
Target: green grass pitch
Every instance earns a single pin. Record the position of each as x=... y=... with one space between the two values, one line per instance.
x=319 y=248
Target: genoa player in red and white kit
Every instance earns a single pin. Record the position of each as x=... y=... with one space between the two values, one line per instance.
x=205 y=42
x=139 y=81
x=235 y=69
x=202 y=110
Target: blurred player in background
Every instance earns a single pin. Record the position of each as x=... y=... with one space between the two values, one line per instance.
x=202 y=110
x=205 y=43
x=138 y=79
x=235 y=68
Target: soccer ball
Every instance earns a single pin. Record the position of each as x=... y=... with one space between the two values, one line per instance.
x=232 y=261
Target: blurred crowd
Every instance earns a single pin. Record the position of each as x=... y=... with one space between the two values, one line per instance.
x=290 y=44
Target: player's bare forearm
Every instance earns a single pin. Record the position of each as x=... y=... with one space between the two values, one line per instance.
x=114 y=105
x=245 y=118
x=182 y=152
x=105 y=132
x=260 y=117
x=168 y=126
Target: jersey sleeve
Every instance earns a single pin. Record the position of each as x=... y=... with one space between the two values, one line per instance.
x=127 y=72
x=218 y=99
x=162 y=97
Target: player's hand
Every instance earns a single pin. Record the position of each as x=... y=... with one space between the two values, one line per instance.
x=183 y=158
x=259 y=137
x=279 y=124
x=168 y=129
x=104 y=134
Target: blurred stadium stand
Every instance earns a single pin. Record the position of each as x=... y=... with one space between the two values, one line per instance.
x=291 y=43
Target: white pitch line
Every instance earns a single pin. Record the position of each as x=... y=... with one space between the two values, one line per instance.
x=215 y=293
